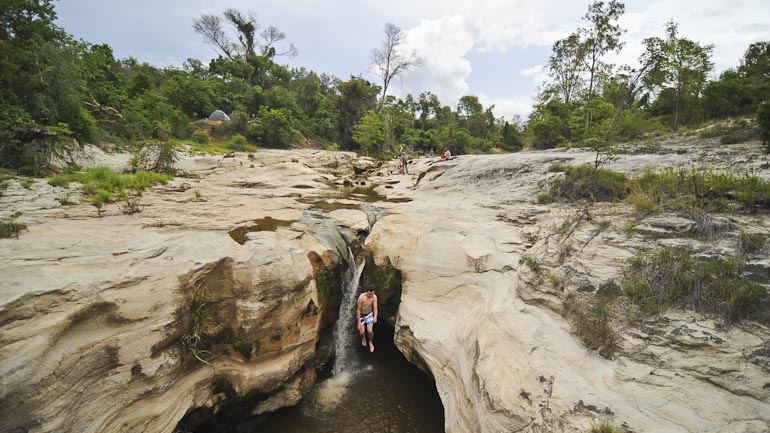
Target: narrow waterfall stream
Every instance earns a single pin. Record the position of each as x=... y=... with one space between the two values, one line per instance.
x=363 y=392
x=342 y=345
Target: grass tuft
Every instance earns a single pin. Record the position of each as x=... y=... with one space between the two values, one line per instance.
x=103 y=184
x=604 y=427
x=674 y=277
x=686 y=189
x=583 y=182
x=751 y=243
x=11 y=229
x=592 y=324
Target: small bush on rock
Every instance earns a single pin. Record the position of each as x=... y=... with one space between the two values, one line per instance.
x=200 y=137
x=674 y=277
x=604 y=427
x=592 y=324
x=763 y=119
x=584 y=182
x=688 y=189
x=11 y=228
x=238 y=143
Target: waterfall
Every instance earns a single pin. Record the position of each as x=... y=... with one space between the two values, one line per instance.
x=342 y=330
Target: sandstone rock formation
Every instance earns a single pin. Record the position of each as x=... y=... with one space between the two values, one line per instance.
x=129 y=323
x=491 y=330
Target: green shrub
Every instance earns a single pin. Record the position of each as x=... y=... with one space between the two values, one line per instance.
x=72 y=168
x=584 y=182
x=272 y=128
x=557 y=167
x=237 y=143
x=201 y=137
x=687 y=189
x=99 y=199
x=531 y=263
x=11 y=228
x=751 y=243
x=763 y=120
x=593 y=325
x=674 y=277
x=604 y=427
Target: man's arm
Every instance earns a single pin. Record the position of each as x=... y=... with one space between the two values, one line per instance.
x=376 y=311
x=358 y=315
x=358 y=309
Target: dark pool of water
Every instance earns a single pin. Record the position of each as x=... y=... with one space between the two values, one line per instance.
x=381 y=392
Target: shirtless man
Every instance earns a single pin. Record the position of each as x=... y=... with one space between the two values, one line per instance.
x=366 y=316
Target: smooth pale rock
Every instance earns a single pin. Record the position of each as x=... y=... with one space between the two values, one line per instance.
x=355 y=220
x=490 y=329
x=98 y=316
x=94 y=312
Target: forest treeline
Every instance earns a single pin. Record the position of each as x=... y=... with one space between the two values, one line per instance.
x=54 y=88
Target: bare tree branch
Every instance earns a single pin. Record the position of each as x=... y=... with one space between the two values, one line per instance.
x=388 y=61
x=210 y=27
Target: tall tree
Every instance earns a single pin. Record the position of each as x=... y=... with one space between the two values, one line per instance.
x=389 y=61
x=681 y=71
x=565 y=67
x=599 y=37
x=212 y=28
x=357 y=96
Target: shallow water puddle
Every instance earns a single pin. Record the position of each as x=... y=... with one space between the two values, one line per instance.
x=261 y=225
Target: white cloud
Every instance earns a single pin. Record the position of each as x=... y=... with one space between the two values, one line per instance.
x=445 y=41
x=729 y=26
x=534 y=70
x=507 y=108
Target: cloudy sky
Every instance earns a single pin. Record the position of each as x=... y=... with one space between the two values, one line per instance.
x=494 y=49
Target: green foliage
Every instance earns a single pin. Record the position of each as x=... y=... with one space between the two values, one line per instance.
x=99 y=199
x=686 y=189
x=200 y=137
x=593 y=325
x=680 y=74
x=102 y=184
x=763 y=119
x=11 y=228
x=584 y=182
x=604 y=427
x=370 y=133
x=558 y=167
x=238 y=143
x=272 y=128
x=751 y=243
x=549 y=124
x=156 y=156
x=674 y=277
x=531 y=262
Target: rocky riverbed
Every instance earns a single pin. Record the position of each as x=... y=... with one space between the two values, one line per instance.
x=135 y=322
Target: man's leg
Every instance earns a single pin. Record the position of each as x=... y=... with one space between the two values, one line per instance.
x=370 y=331
x=362 y=332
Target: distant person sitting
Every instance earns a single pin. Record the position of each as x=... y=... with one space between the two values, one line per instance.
x=446 y=155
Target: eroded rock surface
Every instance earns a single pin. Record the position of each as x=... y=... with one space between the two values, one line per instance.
x=491 y=329
x=127 y=322
x=100 y=317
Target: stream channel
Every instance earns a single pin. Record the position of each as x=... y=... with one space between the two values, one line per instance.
x=378 y=392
